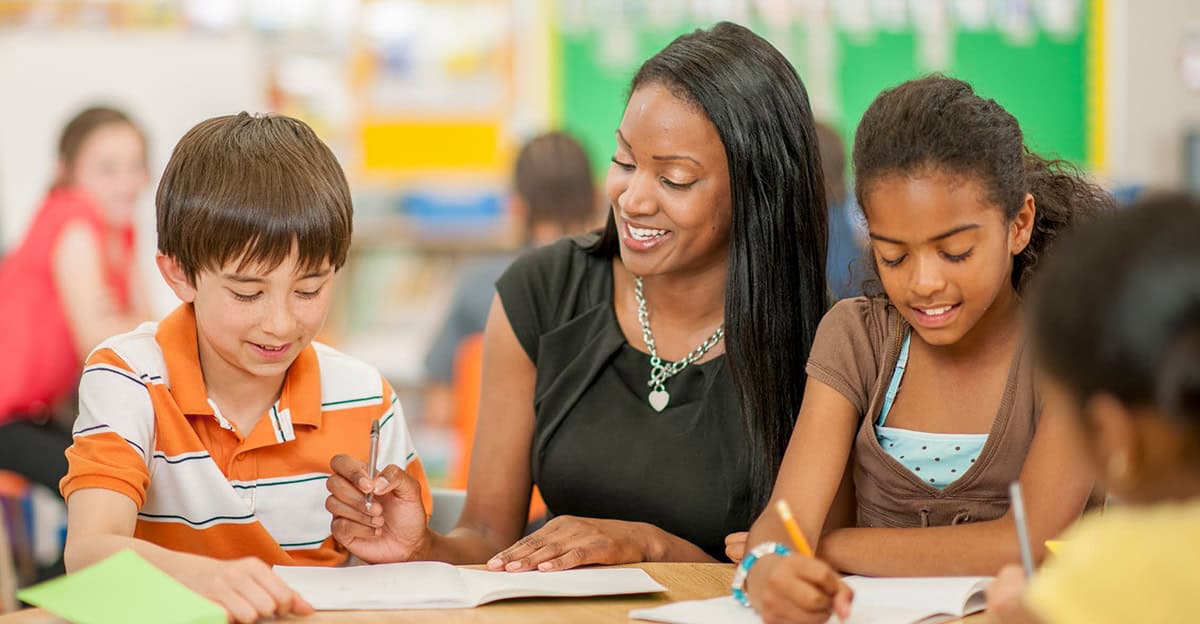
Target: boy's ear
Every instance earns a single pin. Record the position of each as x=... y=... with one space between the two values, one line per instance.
x=1022 y=226
x=175 y=277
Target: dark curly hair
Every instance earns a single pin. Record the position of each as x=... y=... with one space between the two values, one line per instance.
x=941 y=124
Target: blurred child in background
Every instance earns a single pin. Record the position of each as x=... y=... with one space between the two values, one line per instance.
x=70 y=283
x=847 y=232
x=553 y=196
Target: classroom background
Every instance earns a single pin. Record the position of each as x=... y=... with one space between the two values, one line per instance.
x=425 y=103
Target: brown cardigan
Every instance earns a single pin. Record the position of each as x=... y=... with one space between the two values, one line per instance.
x=855 y=353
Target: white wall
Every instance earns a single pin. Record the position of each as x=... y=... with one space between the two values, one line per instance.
x=167 y=81
x=1149 y=107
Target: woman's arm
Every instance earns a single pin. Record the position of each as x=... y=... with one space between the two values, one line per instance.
x=1055 y=483
x=90 y=307
x=499 y=483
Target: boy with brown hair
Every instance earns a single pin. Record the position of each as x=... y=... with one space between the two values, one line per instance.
x=203 y=441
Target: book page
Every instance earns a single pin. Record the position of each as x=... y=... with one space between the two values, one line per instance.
x=483 y=586
x=930 y=596
x=416 y=585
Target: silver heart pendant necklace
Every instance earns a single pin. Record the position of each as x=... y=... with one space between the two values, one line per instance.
x=661 y=371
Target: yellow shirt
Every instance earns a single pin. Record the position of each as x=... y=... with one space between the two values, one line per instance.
x=1131 y=564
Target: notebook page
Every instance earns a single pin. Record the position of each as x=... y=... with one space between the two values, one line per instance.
x=416 y=585
x=723 y=610
x=932 y=595
x=876 y=601
x=726 y=610
x=483 y=586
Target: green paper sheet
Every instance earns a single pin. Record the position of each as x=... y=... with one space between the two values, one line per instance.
x=122 y=589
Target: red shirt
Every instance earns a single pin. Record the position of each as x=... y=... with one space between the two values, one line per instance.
x=39 y=364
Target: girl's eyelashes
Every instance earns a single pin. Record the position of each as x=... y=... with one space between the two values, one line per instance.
x=891 y=262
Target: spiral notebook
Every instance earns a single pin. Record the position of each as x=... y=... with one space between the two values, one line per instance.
x=876 y=601
x=432 y=585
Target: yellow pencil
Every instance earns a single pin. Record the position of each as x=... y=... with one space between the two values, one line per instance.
x=789 y=522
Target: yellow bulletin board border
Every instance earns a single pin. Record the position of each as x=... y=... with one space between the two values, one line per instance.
x=1097 y=105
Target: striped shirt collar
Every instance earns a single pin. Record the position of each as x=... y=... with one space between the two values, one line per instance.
x=300 y=398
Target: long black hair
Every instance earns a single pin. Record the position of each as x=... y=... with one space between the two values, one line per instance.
x=937 y=123
x=775 y=294
x=1117 y=310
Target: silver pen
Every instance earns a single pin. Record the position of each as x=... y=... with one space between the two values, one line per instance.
x=1018 y=507
x=373 y=458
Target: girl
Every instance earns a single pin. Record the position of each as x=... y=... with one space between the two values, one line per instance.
x=1117 y=327
x=69 y=284
x=925 y=392
x=646 y=379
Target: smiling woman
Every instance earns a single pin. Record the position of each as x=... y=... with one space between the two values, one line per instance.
x=645 y=377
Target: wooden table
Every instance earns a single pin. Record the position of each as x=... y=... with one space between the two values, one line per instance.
x=684 y=581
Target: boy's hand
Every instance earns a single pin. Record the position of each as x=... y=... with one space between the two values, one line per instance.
x=735 y=545
x=393 y=529
x=247 y=588
x=798 y=590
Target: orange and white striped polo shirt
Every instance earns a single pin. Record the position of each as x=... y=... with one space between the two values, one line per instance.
x=147 y=429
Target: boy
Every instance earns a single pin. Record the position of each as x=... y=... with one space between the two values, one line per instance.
x=203 y=441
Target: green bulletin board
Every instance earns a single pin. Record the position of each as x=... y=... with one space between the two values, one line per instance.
x=1043 y=81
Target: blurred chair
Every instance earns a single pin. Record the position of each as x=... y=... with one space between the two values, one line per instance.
x=447 y=507
x=468 y=378
x=16 y=542
x=8 y=574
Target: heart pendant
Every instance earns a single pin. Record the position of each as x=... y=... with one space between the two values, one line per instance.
x=659 y=399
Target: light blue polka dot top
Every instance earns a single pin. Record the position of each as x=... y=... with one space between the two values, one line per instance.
x=936 y=458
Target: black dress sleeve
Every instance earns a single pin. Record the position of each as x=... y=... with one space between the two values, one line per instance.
x=537 y=291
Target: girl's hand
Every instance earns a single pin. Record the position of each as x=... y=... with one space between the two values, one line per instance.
x=735 y=545
x=798 y=590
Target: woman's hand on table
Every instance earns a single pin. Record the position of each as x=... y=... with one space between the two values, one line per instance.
x=569 y=541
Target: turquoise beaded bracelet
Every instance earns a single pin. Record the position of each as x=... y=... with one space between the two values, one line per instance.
x=743 y=569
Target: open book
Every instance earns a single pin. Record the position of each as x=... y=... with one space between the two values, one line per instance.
x=432 y=585
x=876 y=601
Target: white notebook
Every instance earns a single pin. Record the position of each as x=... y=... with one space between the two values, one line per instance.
x=432 y=585
x=876 y=601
